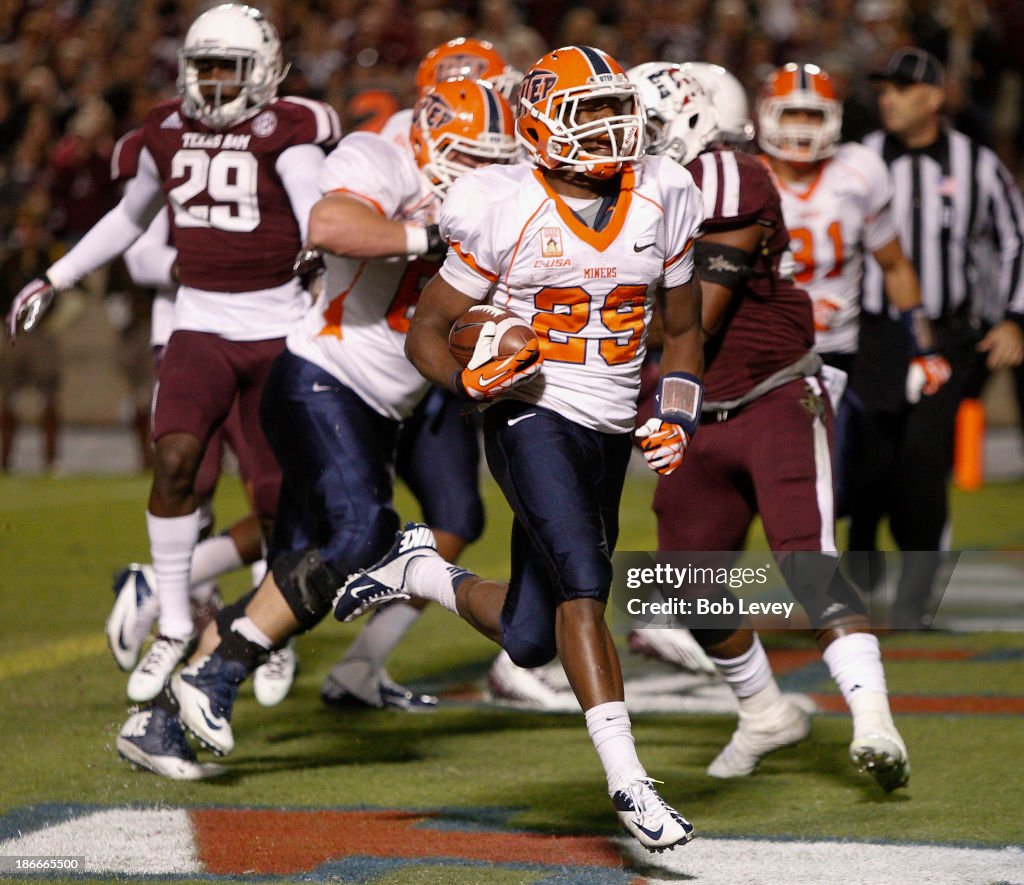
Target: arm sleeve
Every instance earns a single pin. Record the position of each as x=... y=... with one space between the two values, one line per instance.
x=151 y=256
x=299 y=168
x=115 y=231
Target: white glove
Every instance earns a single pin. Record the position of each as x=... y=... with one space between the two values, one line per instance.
x=28 y=306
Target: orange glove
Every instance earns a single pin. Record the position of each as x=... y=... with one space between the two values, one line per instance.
x=926 y=375
x=824 y=312
x=489 y=375
x=663 y=444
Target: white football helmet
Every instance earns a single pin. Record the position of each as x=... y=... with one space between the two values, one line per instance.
x=796 y=87
x=239 y=34
x=730 y=101
x=681 y=121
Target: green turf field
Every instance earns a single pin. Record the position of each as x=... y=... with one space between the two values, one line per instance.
x=481 y=768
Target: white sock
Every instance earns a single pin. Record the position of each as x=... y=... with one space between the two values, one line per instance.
x=855 y=663
x=381 y=634
x=430 y=577
x=201 y=593
x=609 y=728
x=246 y=627
x=213 y=557
x=171 y=542
x=748 y=674
x=750 y=677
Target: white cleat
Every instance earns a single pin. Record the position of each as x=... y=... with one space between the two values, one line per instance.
x=756 y=738
x=884 y=757
x=155 y=668
x=154 y=740
x=650 y=819
x=384 y=581
x=673 y=645
x=526 y=687
x=135 y=611
x=272 y=681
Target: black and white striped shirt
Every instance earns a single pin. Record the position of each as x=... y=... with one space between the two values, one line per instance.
x=961 y=222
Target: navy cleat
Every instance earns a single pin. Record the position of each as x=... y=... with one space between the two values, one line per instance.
x=206 y=693
x=153 y=739
x=650 y=819
x=384 y=582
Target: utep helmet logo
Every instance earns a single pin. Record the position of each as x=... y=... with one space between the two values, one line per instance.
x=435 y=111
x=471 y=66
x=537 y=85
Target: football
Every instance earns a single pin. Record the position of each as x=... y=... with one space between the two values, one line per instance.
x=466 y=330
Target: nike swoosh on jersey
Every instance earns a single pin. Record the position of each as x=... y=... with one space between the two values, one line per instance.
x=516 y=420
x=638 y=248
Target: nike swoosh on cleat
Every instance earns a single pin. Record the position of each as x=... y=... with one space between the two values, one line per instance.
x=650 y=834
x=638 y=248
x=120 y=639
x=512 y=421
x=217 y=727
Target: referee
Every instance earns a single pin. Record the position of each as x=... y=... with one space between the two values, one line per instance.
x=961 y=221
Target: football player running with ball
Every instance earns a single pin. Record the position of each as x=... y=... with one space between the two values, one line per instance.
x=333 y=403
x=570 y=242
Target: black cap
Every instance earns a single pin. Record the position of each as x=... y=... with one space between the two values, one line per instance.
x=912 y=65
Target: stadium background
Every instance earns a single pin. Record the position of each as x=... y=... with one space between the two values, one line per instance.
x=77 y=74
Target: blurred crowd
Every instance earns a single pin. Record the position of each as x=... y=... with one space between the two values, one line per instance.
x=76 y=74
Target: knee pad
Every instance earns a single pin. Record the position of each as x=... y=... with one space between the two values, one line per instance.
x=308 y=584
x=817 y=584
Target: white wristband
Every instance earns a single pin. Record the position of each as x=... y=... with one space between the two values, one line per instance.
x=416 y=241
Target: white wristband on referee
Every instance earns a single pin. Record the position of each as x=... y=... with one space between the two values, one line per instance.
x=416 y=240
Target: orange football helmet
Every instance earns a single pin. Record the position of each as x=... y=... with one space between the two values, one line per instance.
x=456 y=121
x=466 y=57
x=549 y=99
x=796 y=87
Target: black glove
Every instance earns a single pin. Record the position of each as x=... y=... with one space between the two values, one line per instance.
x=308 y=266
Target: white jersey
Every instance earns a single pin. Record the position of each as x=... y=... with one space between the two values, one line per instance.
x=356 y=329
x=397 y=127
x=842 y=213
x=585 y=291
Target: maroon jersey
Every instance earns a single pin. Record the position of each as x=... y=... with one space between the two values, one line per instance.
x=770 y=324
x=124 y=162
x=234 y=227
